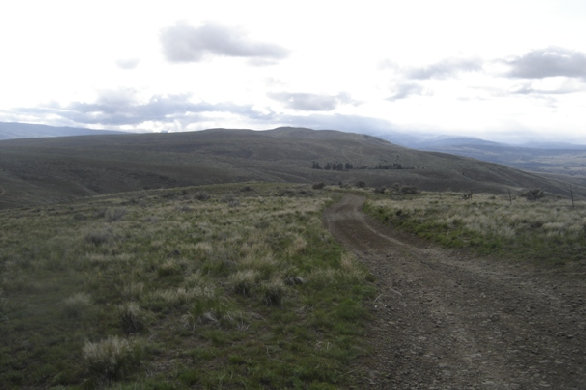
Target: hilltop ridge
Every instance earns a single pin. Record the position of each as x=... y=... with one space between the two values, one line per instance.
x=57 y=169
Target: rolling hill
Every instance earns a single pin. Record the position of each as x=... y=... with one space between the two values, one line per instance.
x=11 y=130
x=36 y=171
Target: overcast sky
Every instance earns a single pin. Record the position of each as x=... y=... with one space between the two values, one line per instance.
x=501 y=70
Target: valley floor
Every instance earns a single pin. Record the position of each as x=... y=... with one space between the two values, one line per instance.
x=447 y=321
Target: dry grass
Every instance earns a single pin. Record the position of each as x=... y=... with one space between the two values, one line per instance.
x=109 y=358
x=195 y=288
x=76 y=304
x=548 y=229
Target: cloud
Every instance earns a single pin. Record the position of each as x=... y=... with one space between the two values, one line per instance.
x=185 y=43
x=128 y=63
x=551 y=62
x=405 y=90
x=548 y=86
x=305 y=101
x=121 y=107
x=345 y=98
x=445 y=69
x=310 y=101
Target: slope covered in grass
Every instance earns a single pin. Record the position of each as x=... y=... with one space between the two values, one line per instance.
x=234 y=286
x=37 y=171
x=548 y=231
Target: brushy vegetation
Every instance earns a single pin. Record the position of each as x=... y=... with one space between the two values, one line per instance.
x=204 y=287
x=547 y=230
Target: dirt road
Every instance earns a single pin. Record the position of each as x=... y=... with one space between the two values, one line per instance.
x=447 y=322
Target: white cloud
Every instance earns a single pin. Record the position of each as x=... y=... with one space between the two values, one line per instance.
x=551 y=62
x=312 y=101
x=127 y=63
x=404 y=90
x=445 y=68
x=450 y=66
x=123 y=108
x=185 y=43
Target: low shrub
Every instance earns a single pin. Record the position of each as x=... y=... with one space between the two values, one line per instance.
x=243 y=282
x=533 y=195
x=132 y=318
x=273 y=292
x=109 y=359
x=99 y=237
x=114 y=214
x=202 y=196
x=75 y=304
x=409 y=190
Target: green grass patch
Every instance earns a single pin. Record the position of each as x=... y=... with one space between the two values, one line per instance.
x=205 y=287
x=547 y=231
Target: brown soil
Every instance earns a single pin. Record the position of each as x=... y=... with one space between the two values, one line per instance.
x=444 y=320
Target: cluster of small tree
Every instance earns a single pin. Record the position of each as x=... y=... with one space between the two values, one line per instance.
x=397 y=188
x=391 y=166
x=533 y=195
x=408 y=190
x=332 y=166
x=337 y=166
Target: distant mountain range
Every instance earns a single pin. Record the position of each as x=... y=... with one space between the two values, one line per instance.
x=559 y=158
x=45 y=170
x=9 y=130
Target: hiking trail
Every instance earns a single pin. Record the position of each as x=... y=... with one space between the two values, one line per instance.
x=443 y=320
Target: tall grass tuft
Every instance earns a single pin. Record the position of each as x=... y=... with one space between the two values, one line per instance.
x=99 y=237
x=243 y=282
x=132 y=318
x=75 y=305
x=273 y=291
x=114 y=214
x=109 y=359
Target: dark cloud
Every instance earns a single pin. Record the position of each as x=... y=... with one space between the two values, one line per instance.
x=549 y=62
x=445 y=69
x=185 y=43
x=120 y=107
x=405 y=90
x=310 y=101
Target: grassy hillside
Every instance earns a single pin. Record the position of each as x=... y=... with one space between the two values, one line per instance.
x=549 y=231
x=562 y=159
x=234 y=286
x=48 y=170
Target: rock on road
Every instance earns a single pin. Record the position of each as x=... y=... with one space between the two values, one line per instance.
x=447 y=321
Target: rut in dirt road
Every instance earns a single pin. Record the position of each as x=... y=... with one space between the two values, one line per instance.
x=443 y=322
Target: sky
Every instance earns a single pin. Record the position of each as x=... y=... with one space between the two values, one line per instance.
x=511 y=70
